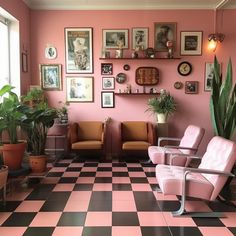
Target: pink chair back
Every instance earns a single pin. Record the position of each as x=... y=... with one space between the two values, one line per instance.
x=192 y=138
x=220 y=155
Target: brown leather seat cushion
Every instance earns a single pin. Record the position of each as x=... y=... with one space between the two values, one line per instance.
x=135 y=145
x=87 y=145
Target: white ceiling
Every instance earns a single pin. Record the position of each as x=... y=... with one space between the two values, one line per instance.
x=129 y=4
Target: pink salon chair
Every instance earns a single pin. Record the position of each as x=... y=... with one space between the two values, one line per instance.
x=188 y=144
x=204 y=182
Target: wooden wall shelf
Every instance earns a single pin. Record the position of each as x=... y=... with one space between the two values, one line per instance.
x=136 y=94
x=140 y=58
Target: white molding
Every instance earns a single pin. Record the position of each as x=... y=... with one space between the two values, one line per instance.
x=125 y=4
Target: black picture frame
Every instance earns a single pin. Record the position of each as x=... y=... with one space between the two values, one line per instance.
x=107 y=100
x=106 y=69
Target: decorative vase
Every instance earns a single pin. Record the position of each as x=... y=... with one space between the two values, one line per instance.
x=13 y=155
x=161 y=117
x=38 y=163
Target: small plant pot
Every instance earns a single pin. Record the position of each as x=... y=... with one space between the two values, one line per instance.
x=38 y=164
x=161 y=118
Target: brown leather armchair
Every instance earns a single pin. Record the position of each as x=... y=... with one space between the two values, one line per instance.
x=136 y=136
x=87 y=136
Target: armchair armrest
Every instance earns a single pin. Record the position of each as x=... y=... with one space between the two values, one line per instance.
x=160 y=139
x=73 y=133
x=179 y=155
x=207 y=171
x=179 y=147
x=151 y=133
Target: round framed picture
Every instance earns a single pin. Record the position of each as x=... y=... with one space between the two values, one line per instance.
x=184 y=68
x=50 y=52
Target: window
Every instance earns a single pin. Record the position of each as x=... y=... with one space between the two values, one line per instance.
x=4 y=49
x=9 y=51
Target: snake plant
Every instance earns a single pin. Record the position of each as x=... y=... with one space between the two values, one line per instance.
x=223 y=102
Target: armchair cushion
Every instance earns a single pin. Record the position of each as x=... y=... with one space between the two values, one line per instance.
x=134 y=130
x=158 y=156
x=88 y=130
x=135 y=145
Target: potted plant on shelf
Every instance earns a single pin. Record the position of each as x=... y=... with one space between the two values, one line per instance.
x=33 y=97
x=12 y=117
x=162 y=106
x=39 y=118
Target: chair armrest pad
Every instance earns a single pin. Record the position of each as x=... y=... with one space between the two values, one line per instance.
x=179 y=147
x=208 y=171
x=160 y=139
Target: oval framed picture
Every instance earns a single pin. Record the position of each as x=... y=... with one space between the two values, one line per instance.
x=50 y=52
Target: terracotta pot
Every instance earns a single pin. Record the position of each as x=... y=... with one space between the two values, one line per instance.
x=3 y=175
x=38 y=164
x=13 y=155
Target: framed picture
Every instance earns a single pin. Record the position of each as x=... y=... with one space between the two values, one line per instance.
x=24 y=61
x=140 y=38
x=191 y=43
x=79 y=89
x=107 y=99
x=79 y=50
x=114 y=39
x=108 y=83
x=191 y=87
x=50 y=52
x=209 y=73
x=163 y=32
x=106 y=69
x=50 y=75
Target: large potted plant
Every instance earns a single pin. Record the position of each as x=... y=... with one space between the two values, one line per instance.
x=223 y=102
x=162 y=106
x=223 y=109
x=39 y=118
x=12 y=117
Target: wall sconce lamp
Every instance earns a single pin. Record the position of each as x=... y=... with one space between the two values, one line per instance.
x=214 y=39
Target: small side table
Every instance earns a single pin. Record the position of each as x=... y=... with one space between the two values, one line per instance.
x=56 y=133
x=162 y=130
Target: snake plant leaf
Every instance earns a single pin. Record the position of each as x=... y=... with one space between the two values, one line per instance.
x=225 y=91
x=223 y=102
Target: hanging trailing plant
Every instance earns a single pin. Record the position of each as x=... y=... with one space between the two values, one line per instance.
x=223 y=102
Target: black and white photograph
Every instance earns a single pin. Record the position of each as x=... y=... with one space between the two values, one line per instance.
x=108 y=83
x=115 y=39
x=209 y=73
x=106 y=69
x=79 y=50
x=79 y=89
x=107 y=99
x=50 y=75
x=191 y=43
x=164 y=32
x=139 y=38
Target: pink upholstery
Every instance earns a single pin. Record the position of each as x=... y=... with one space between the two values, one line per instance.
x=191 y=139
x=220 y=155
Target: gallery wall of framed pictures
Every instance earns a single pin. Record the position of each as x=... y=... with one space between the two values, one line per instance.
x=79 y=61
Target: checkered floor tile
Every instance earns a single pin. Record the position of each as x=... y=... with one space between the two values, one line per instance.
x=92 y=198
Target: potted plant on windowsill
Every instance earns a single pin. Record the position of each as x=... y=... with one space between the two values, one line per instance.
x=39 y=118
x=12 y=117
x=162 y=106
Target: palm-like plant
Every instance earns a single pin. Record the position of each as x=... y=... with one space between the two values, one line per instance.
x=164 y=104
x=223 y=102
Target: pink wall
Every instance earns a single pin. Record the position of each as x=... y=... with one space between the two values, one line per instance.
x=47 y=27
x=22 y=13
